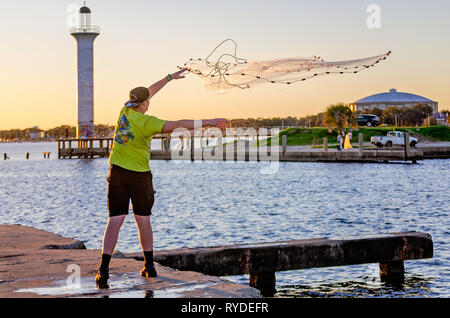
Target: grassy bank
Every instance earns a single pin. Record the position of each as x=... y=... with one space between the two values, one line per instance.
x=314 y=136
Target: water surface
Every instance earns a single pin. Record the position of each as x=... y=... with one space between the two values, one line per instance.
x=217 y=203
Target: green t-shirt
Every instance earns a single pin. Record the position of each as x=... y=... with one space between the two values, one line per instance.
x=132 y=137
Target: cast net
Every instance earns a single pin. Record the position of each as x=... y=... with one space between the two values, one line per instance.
x=229 y=71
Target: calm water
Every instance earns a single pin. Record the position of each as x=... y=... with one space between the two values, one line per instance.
x=215 y=203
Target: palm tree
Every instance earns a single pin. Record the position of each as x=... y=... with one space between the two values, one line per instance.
x=339 y=115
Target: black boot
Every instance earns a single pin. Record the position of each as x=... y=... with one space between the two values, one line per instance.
x=102 y=278
x=148 y=271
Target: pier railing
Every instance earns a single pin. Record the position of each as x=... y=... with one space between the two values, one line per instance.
x=243 y=147
x=101 y=147
x=84 y=148
x=85 y=29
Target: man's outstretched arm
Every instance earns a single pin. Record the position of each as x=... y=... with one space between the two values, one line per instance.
x=170 y=126
x=153 y=89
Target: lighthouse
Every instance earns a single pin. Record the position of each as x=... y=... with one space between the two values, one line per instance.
x=85 y=34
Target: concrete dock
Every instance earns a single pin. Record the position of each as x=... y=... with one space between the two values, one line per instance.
x=370 y=156
x=36 y=263
x=435 y=150
x=243 y=150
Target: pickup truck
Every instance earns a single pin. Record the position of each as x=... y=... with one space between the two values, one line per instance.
x=392 y=138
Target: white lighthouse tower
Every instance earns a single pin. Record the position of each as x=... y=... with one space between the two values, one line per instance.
x=85 y=34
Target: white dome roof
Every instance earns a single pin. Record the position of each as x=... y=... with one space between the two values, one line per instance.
x=393 y=97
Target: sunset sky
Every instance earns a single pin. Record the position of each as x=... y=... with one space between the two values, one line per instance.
x=141 y=41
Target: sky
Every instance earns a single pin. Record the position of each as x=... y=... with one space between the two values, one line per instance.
x=141 y=41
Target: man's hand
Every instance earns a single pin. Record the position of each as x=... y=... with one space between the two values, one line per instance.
x=177 y=75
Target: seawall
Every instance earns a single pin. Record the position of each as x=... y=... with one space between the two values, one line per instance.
x=36 y=263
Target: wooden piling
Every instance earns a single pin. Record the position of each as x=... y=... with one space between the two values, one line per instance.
x=192 y=146
x=235 y=145
x=392 y=273
x=91 y=148
x=265 y=282
x=361 y=144
x=407 y=147
x=325 y=144
x=284 y=143
x=167 y=146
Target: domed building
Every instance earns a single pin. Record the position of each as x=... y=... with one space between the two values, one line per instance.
x=392 y=99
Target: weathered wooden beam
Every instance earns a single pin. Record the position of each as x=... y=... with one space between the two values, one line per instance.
x=299 y=254
x=261 y=261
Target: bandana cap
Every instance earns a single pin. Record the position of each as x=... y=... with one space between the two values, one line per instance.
x=138 y=95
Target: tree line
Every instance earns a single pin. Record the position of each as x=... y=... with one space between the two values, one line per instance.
x=337 y=115
x=341 y=115
x=60 y=132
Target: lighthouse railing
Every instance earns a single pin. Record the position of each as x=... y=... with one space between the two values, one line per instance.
x=85 y=29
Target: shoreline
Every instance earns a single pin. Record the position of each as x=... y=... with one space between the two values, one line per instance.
x=243 y=151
